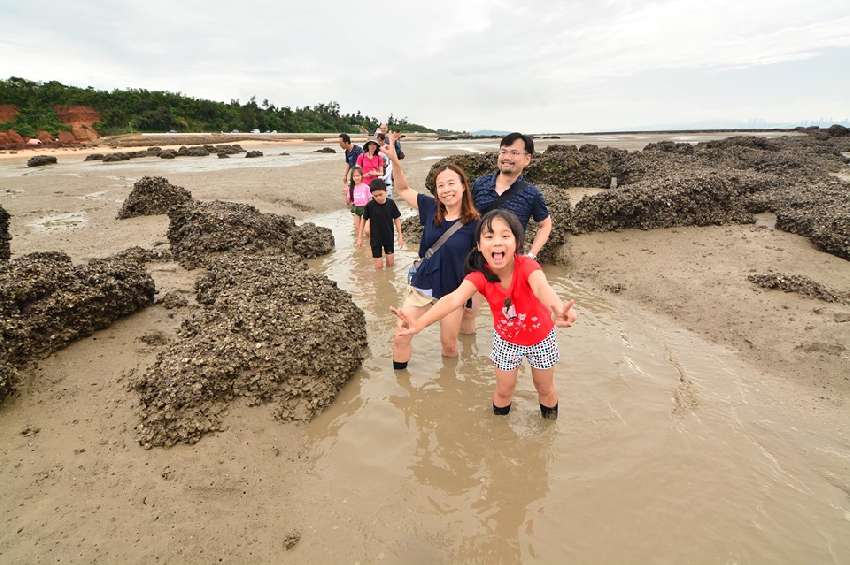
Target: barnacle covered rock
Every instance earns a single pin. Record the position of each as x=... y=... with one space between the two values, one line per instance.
x=200 y=230
x=153 y=195
x=268 y=330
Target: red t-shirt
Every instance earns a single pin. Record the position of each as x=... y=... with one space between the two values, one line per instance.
x=524 y=320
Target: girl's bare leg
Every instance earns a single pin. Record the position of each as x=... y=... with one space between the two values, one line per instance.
x=467 y=326
x=449 y=330
x=544 y=382
x=401 y=343
x=505 y=385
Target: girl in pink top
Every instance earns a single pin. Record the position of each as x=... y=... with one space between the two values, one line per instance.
x=357 y=195
x=371 y=162
x=523 y=304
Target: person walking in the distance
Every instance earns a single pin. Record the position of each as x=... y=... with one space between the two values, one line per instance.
x=381 y=214
x=523 y=304
x=352 y=152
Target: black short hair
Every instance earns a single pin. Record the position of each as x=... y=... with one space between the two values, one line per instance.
x=377 y=184
x=511 y=138
x=345 y=138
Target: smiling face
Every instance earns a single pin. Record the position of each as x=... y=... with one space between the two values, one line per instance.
x=498 y=245
x=357 y=176
x=449 y=188
x=513 y=158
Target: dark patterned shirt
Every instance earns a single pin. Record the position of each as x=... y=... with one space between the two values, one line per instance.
x=526 y=202
x=352 y=154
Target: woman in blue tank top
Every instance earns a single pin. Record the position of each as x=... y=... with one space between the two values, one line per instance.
x=442 y=272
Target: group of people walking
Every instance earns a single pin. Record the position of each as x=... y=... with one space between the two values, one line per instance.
x=464 y=255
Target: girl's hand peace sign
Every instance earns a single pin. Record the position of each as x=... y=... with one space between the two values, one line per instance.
x=408 y=325
x=565 y=315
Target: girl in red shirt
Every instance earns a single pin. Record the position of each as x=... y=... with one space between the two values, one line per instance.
x=523 y=304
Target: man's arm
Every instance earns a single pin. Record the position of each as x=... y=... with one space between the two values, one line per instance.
x=544 y=228
x=345 y=174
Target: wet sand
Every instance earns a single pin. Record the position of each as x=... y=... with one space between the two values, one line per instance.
x=678 y=440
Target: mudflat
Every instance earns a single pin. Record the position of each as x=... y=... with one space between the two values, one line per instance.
x=689 y=394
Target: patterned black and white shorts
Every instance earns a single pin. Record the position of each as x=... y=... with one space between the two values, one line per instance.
x=508 y=356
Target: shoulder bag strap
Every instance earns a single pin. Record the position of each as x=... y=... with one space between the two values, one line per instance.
x=443 y=238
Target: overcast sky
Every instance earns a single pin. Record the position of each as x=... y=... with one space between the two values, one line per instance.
x=461 y=64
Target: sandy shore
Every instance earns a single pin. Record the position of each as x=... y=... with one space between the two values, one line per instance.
x=77 y=487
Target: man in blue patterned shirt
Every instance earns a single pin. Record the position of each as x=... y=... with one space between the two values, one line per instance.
x=524 y=200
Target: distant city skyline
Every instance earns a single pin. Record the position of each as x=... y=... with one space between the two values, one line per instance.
x=550 y=66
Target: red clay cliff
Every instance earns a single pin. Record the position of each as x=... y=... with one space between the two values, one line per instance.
x=81 y=120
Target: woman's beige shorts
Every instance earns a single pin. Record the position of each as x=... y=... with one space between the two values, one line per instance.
x=416 y=299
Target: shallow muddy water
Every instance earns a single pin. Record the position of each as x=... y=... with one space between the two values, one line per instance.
x=668 y=449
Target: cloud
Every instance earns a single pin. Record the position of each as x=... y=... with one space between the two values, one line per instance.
x=456 y=64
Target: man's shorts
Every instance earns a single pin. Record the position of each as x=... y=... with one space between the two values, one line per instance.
x=508 y=356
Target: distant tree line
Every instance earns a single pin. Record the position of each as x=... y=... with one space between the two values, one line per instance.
x=132 y=110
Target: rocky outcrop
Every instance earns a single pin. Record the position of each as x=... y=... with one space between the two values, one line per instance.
x=46 y=302
x=194 y=151
x=837 y=130
x=268 y=330
x=670 y=184
x=799 y=284
x=167 y=154
x=700 y=199
x=5 y=237
x=153 y=195
x=117 y=156
x=41 y=160
x=819 y=210
x=253 y=154
x=226 y=149
x=560 y=211
x=199 y=231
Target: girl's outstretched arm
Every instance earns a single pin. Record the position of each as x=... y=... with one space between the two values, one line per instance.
x=444 y=306
x=565 y=314
x=402 y=188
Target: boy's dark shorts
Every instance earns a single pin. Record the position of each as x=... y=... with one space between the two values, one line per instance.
x=388 y=248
